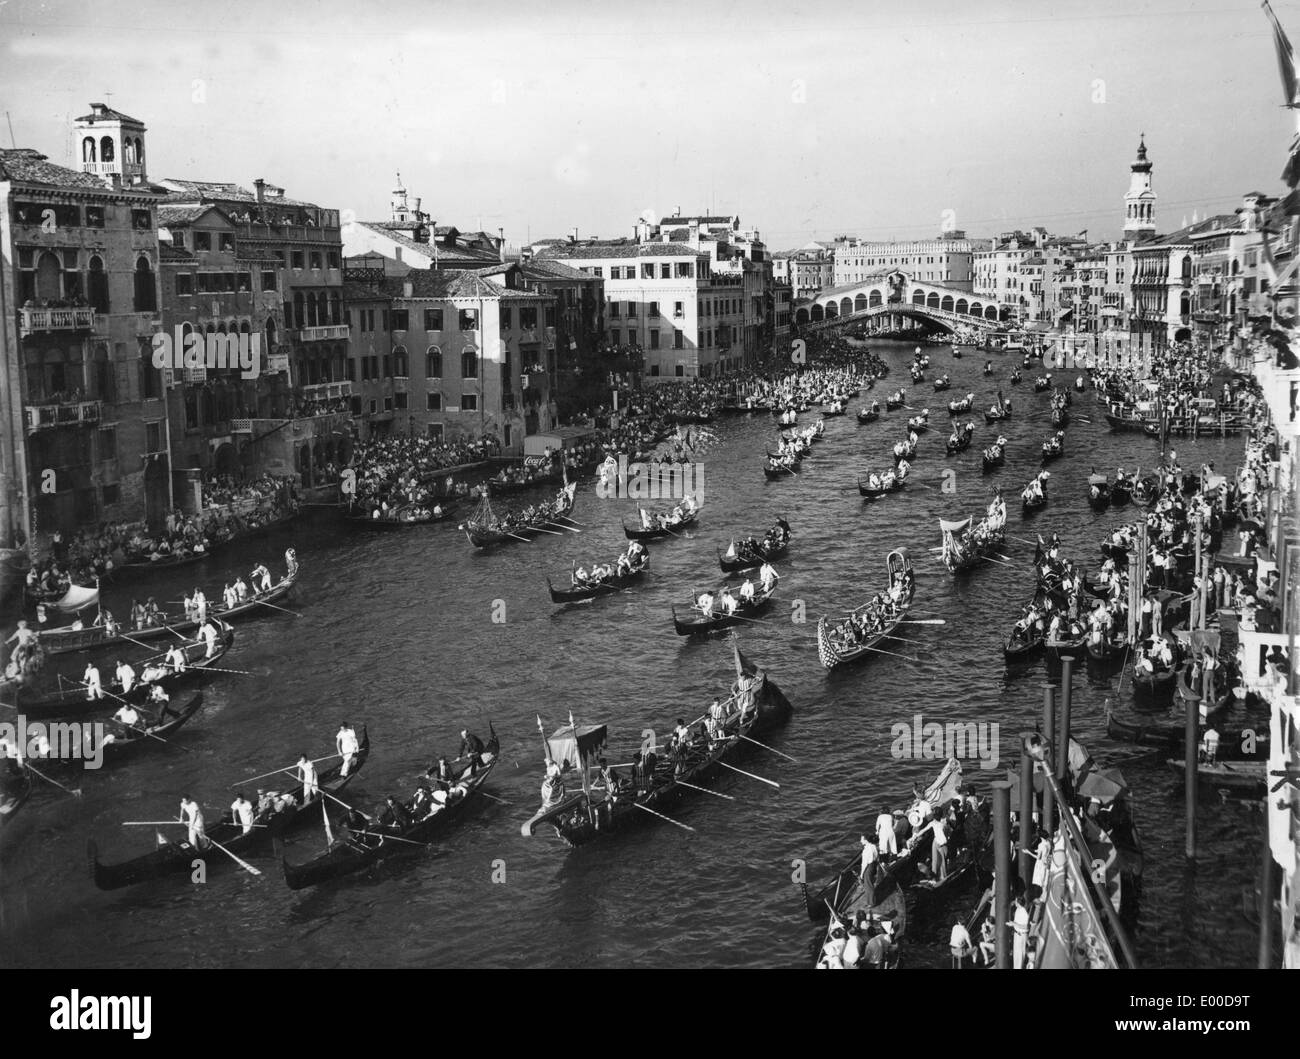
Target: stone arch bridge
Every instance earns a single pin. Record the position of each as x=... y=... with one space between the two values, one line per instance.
x=896 y=293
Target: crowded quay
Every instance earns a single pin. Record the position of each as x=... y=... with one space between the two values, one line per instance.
x=732 y=626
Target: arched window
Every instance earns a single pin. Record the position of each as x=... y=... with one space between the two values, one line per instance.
x=400 y=362
x=299 y=313
x=139 y=151
x=469 y=365
x=146 y=288
x=846 y=307
x=1187 y=268
x=88 y=149
x=932 y=300
x=102 y=377
x=960 y=307
x=918 y=297
x=244 y=327
x=874 y=299
x=270 y=334
x=336 y=309
x=49 y=277
x=97 y=285
x=433 y=363
x=946 y=304
x=859 y=303
x=106 y=148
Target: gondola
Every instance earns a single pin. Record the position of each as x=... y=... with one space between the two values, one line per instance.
x=903 y=868
x=1098 y=492
x=179 y=857
x=993 y=417
x=942 y=384
x=1168 y=732
x=883 y=904
x=692 y=622
x=964 y=552
x=1059 y=416
x=616 y=583
x=155 y=733
x=406 y=516
x=841 y=642
x=1054 y=448
x=869 y=415
x=484 y=529
x=15 y=789
x=904 y=451
x=1109 y=652
x=962 y=442
x=70 y=699
x=1243 y=778
x=896 y=400
x=919 y=424
x=1122 y=490
x=751 y=554
x=67 y=640
x=659 y=532
x=1075 y=648
x=1153 y=687
x=1031 y=500
x=774 y=469
x=897 y=480
x=1015 y=376
x=992 y=458
x=359 y=849
x=956 y=408
x=756 y=706
x=1145 y=491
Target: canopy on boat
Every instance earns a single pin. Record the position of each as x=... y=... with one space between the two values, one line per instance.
x=571 y=741
x=954 y=527
x=77 y=598
x=1106 y=785
x=1098 y=479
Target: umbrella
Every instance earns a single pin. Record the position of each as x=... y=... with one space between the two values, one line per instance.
x=1106 y=785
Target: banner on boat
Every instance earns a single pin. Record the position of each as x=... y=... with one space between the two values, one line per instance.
x=568 y=743
x=77 y=598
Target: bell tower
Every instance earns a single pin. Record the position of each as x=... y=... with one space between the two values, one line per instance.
x=1140 y=202
x=111 y=145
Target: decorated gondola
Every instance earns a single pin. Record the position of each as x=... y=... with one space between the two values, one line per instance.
x=707 y=613
x=966 y=545
x=270 y=822
x=485 y=528
x=855 y=636
x=661 y=774
x=356 y=848
x=751 y=553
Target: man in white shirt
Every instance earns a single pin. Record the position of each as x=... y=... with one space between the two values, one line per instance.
x=241 y=812
x=347 y=745
x=192 y=817
x=94 y=689
x=125 y=676
x=886 y=840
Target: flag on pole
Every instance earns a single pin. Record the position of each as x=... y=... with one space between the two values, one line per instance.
x=1286 y=65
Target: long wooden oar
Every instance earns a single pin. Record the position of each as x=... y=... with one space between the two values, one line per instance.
x=371 y=819
x=264 y=603
x=290 y=768
x=881 y=650
x=766 y=747
x=705 y=790
x=770 y=783
x=238 y=860
x=56 y=783
x=922 y=621
x=676 y=823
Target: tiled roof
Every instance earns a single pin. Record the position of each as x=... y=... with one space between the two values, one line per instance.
x=193 y=190
x=621 y=248
x=444 y=254
x=552 y=270
x=168 y=252
x=435 y=283
x=107 y=113
x=1183 y=235
x=361 y=292
x=171 y=214
x=32 y=167
x=666 y=221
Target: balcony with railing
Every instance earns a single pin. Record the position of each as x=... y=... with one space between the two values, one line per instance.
x=327 y=391
x=323 y=333
x=61 y=414
x=127 y=169
x=33 y=321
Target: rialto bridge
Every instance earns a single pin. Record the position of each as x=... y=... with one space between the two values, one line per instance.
x=898 y=294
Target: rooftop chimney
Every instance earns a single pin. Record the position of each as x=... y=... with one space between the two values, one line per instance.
x=501 y=245
x=259 y=189
x=573 y=235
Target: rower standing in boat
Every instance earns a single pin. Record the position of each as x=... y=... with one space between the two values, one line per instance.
x=886 y=839
x=346 y=743
x=471 y=746
x=94 y=689
x=768 y=576
x=127 y=715
x=192 y=818
x=125 y=676
x=241 y=812
x=176 y=658
x=209 y=633
x=310 y=780
x=291 y=562
x=261 y=577
x=200 y=605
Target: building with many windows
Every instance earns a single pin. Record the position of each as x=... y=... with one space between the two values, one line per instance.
x=948 y=259
x=80 y=416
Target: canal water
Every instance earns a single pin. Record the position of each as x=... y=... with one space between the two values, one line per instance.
x=397 y=631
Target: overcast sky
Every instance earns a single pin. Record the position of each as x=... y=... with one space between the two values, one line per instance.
x=807 y=119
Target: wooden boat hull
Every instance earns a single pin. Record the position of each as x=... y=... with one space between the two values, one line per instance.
x=698 y=625
x=1248 y=778
x=605 y=588
x=361 y=852
x=56 y=642
x=659 y=534
x=127 y=743
x=751 y=559
x=578 y=823
x=72 y=701
x=178 y=857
